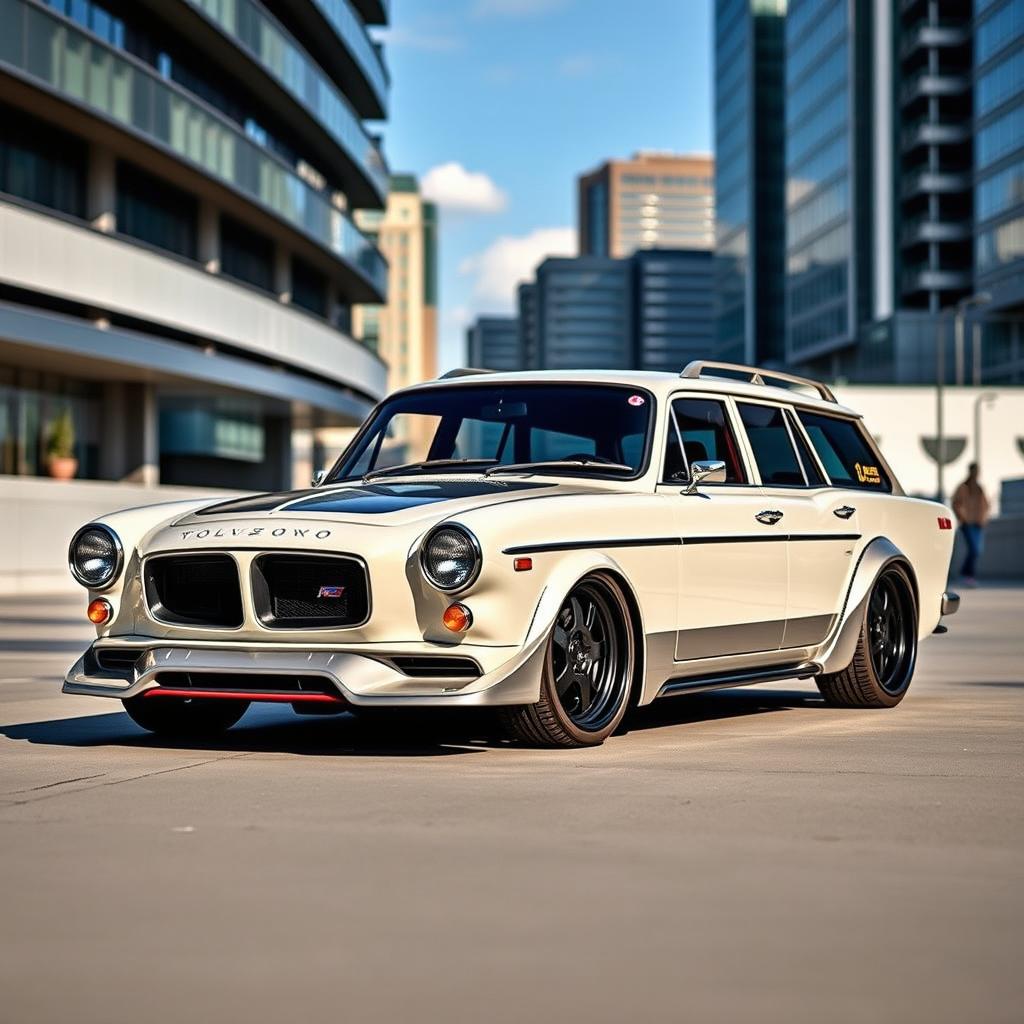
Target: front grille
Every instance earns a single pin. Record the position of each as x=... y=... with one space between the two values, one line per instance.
x=310 y=591
x=422 y=667
x=235 y=681
x=194 y=590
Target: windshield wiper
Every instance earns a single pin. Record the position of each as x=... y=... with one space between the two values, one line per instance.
x=572 y=463
x=412 y=467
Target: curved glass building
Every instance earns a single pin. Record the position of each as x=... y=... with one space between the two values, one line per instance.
x=179 y=254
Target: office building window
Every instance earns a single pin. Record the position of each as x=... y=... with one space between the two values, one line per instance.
x=150 y=209
x=45 y=167
x=309 y=287
x=246 y=254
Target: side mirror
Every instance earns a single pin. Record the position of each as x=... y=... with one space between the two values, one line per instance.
x=319 y=476
x=710 y=472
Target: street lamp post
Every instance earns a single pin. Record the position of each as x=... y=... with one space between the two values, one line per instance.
x=959 y=312
x=987 y=398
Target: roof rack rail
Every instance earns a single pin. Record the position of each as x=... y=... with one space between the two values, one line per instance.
x=755 y=375
x=463 y=371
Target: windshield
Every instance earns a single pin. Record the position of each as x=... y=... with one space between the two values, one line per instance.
x=469 y=428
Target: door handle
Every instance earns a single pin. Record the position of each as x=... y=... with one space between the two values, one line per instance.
x=769 y=517
x=844 y=511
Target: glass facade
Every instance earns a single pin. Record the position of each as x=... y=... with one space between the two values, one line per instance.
x=999 y=157
x=150 y=210
x=59 y=56
x=749 y=177
x=819 y=218
x=246 y=255
x=673 y=299
x=269 y=44
x=48 y=168
x=584 y=313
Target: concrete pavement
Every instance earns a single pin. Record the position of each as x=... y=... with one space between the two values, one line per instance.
x=749 y=855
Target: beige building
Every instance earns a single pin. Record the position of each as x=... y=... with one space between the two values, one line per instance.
x=653 y=201
x=404 y=332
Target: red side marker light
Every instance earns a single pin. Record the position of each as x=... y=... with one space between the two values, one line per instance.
x=945 y=523
x=99 y=611
x=522 y=564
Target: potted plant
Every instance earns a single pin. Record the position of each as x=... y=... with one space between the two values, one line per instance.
x=60 y=448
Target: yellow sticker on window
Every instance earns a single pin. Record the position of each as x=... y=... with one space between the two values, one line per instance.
x=867 y=474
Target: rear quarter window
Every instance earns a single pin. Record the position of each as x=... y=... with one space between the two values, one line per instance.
x=845 y=453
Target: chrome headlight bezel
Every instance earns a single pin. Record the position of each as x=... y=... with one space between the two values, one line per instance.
x=114 y=575
x=474 y=547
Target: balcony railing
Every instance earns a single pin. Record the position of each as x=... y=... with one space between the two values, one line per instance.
x=48 y=50
x=350 y=27
x=272 y=46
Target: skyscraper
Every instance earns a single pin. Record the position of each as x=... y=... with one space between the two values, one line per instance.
x=654 y=201
x=492 y=343
x=892 y=216
x=651 y=311
x=179 y=256
x=404 y=332
x=999 y=185
x=750 y=181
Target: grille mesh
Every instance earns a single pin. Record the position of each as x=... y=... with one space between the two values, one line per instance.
x=294 y=591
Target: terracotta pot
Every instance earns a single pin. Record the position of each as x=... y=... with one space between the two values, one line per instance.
x=62 y=467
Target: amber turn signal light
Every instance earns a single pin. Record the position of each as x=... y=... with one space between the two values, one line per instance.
x=100 y=611
x=457 y=617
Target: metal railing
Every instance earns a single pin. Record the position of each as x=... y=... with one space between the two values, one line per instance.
x=273 y=47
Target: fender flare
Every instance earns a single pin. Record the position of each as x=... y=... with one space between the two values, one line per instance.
x=563 y=578
x=838 y=651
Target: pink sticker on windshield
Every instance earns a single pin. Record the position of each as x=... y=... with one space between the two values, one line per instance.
x=636 y=399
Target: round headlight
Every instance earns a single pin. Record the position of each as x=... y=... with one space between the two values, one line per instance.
x=95 y=556
x=450 y=558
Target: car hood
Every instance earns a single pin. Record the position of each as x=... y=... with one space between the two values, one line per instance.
x=379 y=503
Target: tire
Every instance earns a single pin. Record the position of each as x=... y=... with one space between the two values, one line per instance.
x=588 y=671
x=185 y=719
x=883 y=663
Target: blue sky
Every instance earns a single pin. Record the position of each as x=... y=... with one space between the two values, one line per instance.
x=497 y=105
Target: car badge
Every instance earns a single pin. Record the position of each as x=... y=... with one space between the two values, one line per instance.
x=635 y=400
x=331 y=592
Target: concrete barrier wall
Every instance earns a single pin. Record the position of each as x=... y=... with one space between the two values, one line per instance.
x=39 y=516
x=1002 y=557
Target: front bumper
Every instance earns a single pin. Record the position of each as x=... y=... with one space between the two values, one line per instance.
x=360 y=679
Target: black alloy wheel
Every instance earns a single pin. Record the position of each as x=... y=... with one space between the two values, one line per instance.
x=883 y=663
x=589 y=670
x=586 y=652
x=890 y=609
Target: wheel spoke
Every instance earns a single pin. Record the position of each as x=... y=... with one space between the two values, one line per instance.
x=561 y=638
x=577 y=613
x=591 y=615
x=597 y=650
x=586 y=688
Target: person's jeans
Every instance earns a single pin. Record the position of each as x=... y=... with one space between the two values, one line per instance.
x=973 y=538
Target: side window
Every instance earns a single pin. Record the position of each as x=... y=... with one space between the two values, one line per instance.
x=844 y=452
x=810 y=466
x=698 y=431
x=773 y=450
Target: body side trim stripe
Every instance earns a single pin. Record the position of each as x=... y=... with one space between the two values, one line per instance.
x=647 y=542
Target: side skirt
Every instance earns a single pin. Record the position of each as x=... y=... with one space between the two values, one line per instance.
x=726 y=680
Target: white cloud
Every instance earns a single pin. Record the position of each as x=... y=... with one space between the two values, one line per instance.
x=510 y=259
x=430 y=41
x=452 y=187
x=516 y=8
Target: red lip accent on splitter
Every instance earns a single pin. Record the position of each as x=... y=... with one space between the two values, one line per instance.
x=253 y=695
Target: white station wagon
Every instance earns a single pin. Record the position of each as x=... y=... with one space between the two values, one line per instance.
x=560 y=546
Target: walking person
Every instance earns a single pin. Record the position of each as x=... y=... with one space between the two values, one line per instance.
x=972 y=510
